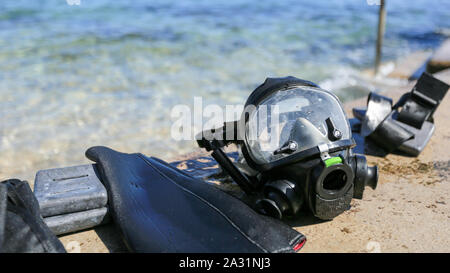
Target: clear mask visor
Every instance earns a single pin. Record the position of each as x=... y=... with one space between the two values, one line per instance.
x=292 y=121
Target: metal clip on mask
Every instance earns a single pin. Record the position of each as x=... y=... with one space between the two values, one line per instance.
x=297 y=145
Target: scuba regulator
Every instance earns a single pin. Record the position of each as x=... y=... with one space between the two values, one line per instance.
x=295 y=147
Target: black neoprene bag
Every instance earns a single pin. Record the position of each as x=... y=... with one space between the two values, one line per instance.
x=159 y=208
x=22 y=228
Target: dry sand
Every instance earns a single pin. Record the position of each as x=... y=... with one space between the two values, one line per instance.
x=408 y=212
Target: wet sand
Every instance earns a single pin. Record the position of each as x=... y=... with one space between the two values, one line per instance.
x=408 y=212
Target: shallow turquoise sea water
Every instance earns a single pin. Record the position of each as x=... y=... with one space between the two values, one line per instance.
x=109 y=72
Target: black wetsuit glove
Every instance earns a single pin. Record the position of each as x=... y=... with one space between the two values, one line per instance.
x=22 y=228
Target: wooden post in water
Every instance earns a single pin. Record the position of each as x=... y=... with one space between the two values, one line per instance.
x=381 y=26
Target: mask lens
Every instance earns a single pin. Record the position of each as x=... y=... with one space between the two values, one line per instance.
x=296 y=115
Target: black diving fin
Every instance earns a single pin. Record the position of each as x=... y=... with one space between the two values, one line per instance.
x=159 y=208
x=406 y=126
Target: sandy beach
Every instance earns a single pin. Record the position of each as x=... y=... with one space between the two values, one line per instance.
x=120 y=74
x=408 y=212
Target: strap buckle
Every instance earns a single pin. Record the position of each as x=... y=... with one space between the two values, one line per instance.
x=423 y=100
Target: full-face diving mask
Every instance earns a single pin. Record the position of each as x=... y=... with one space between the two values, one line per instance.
x=295 y=142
